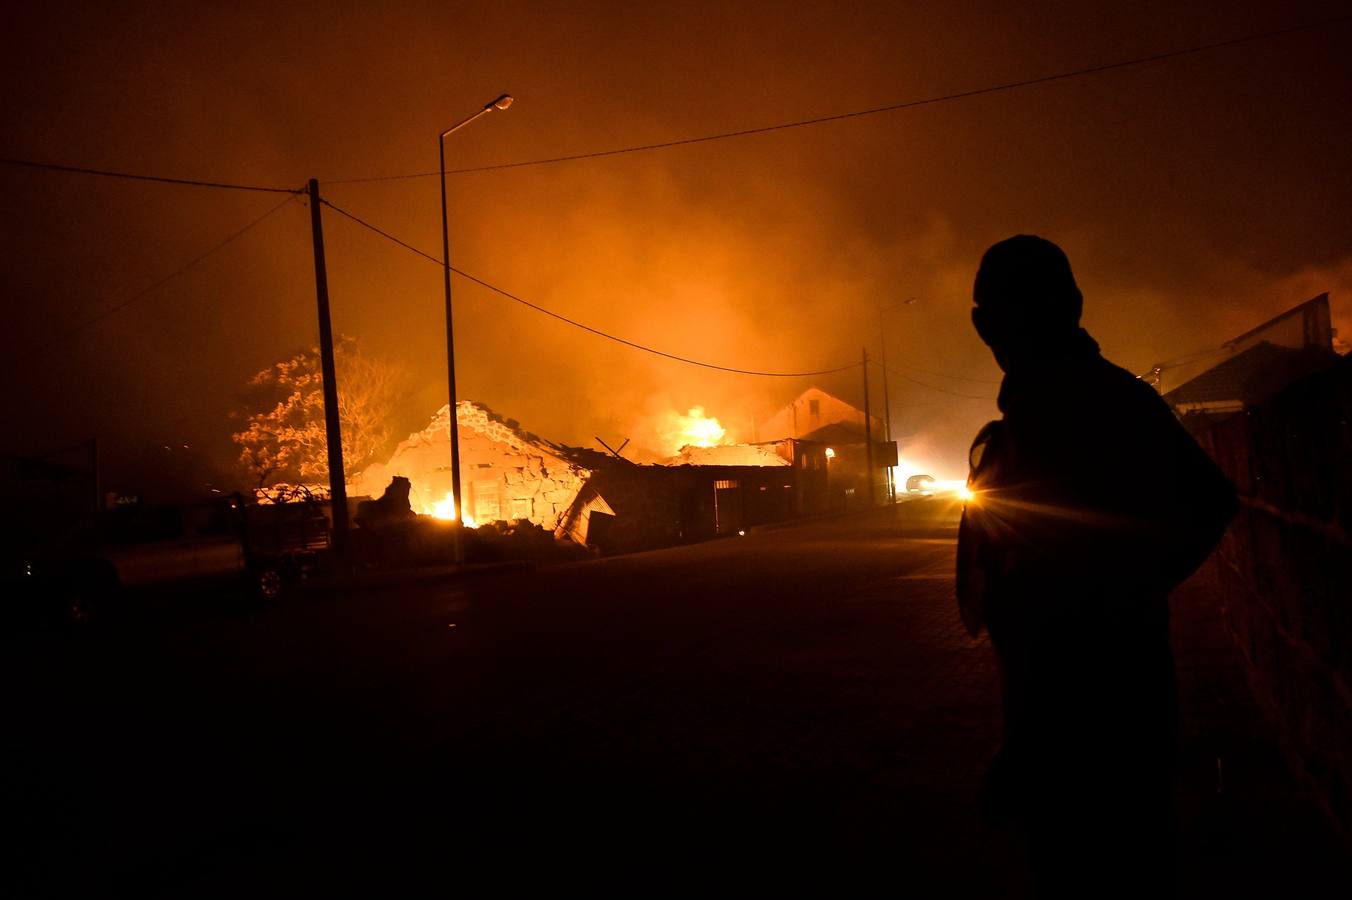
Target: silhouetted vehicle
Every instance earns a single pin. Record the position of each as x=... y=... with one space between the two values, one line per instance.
x=212 y=544
x=920 y=484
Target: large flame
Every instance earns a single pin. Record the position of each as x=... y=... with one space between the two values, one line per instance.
x=445 y=509
x=694 y=429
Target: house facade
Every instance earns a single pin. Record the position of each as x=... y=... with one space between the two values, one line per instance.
x=816 y=417
x=811 y=411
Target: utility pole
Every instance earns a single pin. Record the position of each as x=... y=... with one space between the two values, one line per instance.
x=887 y=403
x=868 y=434
x=332 y=433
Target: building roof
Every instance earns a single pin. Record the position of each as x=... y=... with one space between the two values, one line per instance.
x=841 y=433
x=797 y=419
x=1314 y=328
x=593 y=460
x=1250 y=377
x=764 y=454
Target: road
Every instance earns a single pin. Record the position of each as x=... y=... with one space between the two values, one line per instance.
x=795 y=709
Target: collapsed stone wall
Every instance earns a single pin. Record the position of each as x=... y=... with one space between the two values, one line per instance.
x=534 y=485
x=1283 y=572
x=505 y=473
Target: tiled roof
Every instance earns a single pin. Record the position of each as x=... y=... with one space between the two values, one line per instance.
x=1250 y=377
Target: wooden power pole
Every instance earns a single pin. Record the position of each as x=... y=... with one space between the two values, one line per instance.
x=332 y=430
x=887 y=402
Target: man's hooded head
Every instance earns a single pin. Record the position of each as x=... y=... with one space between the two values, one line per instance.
x=1027 y=303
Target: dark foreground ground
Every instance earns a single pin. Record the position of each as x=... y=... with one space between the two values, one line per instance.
x=797 y=711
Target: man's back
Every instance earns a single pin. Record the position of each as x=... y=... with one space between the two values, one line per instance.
x=1095 y=483
x=1091 y=504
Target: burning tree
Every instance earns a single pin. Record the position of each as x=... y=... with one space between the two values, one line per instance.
x=283 y=414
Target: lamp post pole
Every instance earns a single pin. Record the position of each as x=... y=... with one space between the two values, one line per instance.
x=501 y=102
x=887 y=402
x=868 y=435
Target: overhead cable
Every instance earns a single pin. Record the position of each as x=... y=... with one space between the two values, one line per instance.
x=945 y=375
x=596 y=331
x=106 y=173
x=905 y=377
x=1189 y=358
x=877 y=110
x=89 y=323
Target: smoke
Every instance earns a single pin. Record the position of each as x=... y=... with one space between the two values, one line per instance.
x=1187 y=221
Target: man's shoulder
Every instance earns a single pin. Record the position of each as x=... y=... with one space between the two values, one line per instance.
x=1105 y=401
x=1092 y=396
x=1127 y=386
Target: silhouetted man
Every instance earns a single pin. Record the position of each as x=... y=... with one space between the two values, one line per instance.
x=1091 y=503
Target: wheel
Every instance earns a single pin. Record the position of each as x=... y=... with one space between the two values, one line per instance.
x=269 y=583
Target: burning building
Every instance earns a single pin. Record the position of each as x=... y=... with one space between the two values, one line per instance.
x=604 y=501
x=506 y=473
x=701 y=493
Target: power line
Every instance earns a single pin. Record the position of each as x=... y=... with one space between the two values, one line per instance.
x=905 y=377
x=876 y=110
x=945 y=375
x=596 y=331
x=1190 y=358
x=55 y=167
x=89 y=323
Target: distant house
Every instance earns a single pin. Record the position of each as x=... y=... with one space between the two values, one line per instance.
x=505 y=473
x=838 y=427
x=809 y=412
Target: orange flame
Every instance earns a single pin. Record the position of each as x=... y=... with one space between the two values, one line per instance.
x=445 y=509
x=694 y=429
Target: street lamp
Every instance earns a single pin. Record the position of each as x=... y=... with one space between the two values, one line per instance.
x=501 y=102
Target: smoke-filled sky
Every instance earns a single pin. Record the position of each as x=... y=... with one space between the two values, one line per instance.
x=1196 y=197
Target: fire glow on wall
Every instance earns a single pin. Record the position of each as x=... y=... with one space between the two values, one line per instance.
x=506 y=473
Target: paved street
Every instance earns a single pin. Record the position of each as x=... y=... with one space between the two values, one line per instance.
x=799 y=708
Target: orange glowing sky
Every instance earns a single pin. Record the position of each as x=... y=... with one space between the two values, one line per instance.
x=1196 y=197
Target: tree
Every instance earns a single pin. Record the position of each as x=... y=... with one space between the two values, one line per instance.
x=283 y=414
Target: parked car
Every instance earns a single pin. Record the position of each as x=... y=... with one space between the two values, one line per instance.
x=920 y=484
x=214 y=543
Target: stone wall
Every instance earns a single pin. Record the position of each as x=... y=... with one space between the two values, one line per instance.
x=506 y=474
x=1283 y=571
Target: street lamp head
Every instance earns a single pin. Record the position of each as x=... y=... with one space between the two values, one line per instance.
x=501 y=103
